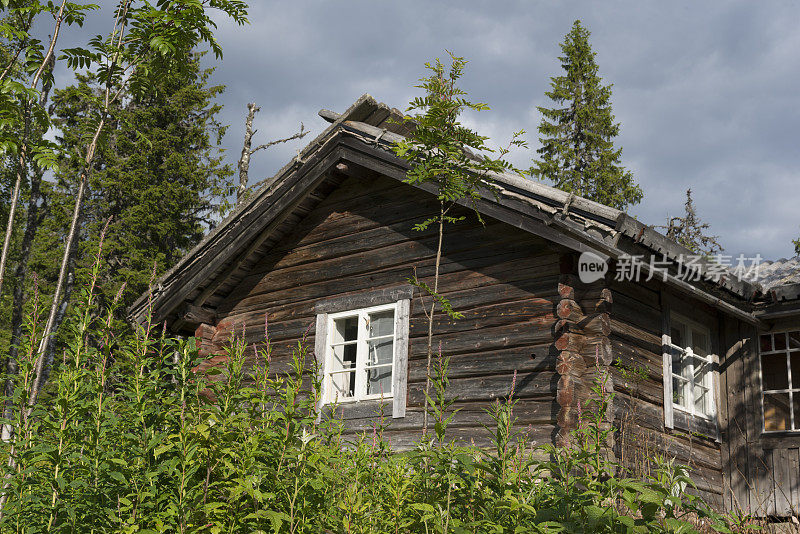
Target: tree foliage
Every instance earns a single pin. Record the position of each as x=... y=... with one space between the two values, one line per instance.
x=577 y=136
x=457 y=161
x=689 y=230
x=442 y=151
x=158 y=176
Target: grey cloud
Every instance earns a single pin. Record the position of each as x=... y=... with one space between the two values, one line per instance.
x=706 y=92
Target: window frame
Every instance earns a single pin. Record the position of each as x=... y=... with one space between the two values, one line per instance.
x=689 y=353
x=675 y=415
x=792 y=391
x=398 y=299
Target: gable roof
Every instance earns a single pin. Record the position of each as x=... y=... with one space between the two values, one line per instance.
x=361 y=140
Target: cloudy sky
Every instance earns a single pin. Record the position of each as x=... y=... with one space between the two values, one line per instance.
x=706 y=93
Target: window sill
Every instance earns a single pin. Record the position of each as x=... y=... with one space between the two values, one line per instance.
x=360 y=409
x=779 y=439
x=695 y=424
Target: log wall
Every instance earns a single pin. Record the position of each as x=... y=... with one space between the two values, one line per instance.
x=762 y=470
x=636 y=329
x=525 y=315
x=360 y=238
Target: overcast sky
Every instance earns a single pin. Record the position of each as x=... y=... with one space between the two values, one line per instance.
x=706 y=93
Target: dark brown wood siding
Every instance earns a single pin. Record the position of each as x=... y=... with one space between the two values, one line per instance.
x=636 y=329
x=360 y=238
x=763 y=468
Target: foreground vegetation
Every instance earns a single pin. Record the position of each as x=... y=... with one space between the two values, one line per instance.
x=128 y=438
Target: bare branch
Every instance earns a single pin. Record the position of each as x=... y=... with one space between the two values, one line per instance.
x=247 y=151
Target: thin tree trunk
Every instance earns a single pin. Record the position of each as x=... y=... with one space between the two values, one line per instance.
x=11 y=214
x=20 y=275
x=24 y=148
x=62 y=311
x=247 y=151
x=430 y=320
x=244 y=159
x=49 y=331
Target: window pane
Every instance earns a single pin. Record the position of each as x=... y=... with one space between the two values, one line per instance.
x=702 y=372
x=766 y=343
x=680 y=392
x=780 y=341
x=344 y=357
x=381 y=351
x=379 y=381
x=702 y=400
x=346 y=329
x=774 y=372
x=699 y=342
x=794 y=340
x=381 y=324
x=776 y=411
x=795 y=358
x=796 y=403
x=676 y=335
x=680 y=364
x=344 y=385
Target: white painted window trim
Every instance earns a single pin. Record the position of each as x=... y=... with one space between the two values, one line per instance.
x=794 y=389
x=670 y=406
x=323 y=347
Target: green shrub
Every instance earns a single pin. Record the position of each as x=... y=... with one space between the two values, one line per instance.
x=129 y=437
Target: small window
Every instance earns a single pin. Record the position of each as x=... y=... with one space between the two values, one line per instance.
x=780 y=381
x=691 y=367
x=360 y=355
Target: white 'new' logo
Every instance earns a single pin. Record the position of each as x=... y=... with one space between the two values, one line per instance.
x=591 y=267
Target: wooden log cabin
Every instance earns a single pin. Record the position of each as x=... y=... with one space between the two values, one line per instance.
x=704 y=370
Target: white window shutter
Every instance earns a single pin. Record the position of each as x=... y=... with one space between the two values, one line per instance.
x=667 y=370
x=400 y=374
x=716 y=396
x=320 y=354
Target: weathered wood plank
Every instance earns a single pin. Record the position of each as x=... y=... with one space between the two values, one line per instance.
x=636 y=336
x=524 y=359
x=489 y=388
x=400 y=375
x=783 y=488
x=794 y=474
x=740 y=466
x=481 y=260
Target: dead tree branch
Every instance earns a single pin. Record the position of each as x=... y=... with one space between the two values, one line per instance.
x=247 y=151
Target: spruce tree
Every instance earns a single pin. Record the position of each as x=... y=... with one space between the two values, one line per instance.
x=158 y=176
x=577 y=152
x=689 y=230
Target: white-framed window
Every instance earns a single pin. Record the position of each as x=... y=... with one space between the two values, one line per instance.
x=689 y=382
x=364 y=353
x=780 y=380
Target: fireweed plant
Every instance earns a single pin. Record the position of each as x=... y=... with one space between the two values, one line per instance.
x=131 y=436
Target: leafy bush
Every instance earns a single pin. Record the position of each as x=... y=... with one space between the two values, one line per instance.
x=129 y=437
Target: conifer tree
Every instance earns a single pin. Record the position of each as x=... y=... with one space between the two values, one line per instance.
x=577 y=152
x=158 y=175
x=689 y=230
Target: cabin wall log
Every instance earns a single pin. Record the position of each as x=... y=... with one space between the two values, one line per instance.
x=360 y=239
x=582 y=346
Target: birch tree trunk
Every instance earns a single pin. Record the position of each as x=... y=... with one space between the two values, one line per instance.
x=20 y=275
x=23 y=153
